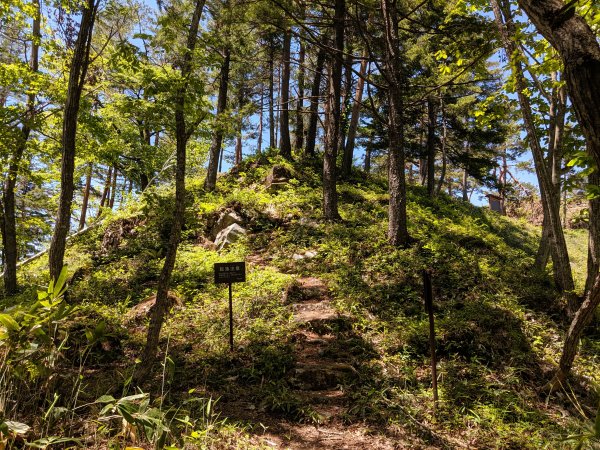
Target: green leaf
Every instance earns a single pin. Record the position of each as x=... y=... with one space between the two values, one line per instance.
x=59 y=286
x=597 y=424
x=9 y=322
x=106 y=399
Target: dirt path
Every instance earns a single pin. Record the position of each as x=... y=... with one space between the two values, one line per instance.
x=326 y=363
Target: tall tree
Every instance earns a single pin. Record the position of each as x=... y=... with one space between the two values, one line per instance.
x=9 y=225
x=284 y=123
x=299 y=131
x=395 y=81
x=578 y=47
x=356 y=106
x=77 y=74
x=330 y=206
x=313 y=118
x=214 y=154
x=183 y=132
x=550 y=202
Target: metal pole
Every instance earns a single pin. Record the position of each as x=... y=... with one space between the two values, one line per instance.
x=230 y=318
x=429 y=306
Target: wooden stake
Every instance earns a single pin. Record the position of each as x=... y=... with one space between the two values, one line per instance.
x=428 y=295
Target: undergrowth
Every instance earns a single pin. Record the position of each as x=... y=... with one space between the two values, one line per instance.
x=499 y=324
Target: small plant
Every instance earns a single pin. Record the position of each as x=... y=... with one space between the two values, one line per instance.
x=140 y=421
x=589 y=437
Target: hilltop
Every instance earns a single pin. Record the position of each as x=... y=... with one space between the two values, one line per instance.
x=331 y=336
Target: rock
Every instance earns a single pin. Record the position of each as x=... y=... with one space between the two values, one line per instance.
x=141 y=311
x=226 y=219
x=306 y=255
x=278 y=178
x=229 y=235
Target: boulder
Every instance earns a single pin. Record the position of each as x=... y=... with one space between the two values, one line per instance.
x=229 y=235
x=226 y=219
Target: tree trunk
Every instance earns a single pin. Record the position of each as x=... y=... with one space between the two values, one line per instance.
x=393 y=73
x=272 y=141
x=311 y=136
x=431 y=125
x=360 y=85
x=582 y=318
x=215 y=147
x=330 y=208
x=368 y=159
x=465 y=186
x=86 y=197
x=299 y=133
x=9 y=222
x=260 y=123
x=443 y=142
x=113 y=188
x=182 y=134
x=557 y=112
x=593 y=264
x=77 y=73
x=238 y=137
x=578 y=47
x=284 y=123
x=543 y=253
x=550 y=203
x=345 y=105
x=106 y=191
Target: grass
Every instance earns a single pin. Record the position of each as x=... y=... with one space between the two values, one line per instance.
x=499 y=325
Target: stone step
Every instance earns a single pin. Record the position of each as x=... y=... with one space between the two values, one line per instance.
x=320 y=375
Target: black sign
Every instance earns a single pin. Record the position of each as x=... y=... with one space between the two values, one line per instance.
x=234 y=272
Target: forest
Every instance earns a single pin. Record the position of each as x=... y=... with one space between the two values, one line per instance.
x=405 y=194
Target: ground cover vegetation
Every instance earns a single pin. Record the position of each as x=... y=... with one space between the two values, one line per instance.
x=134 y=155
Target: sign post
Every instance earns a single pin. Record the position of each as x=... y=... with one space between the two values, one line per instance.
x=229 y=273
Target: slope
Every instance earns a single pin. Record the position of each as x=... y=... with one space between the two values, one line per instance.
x=331 y=335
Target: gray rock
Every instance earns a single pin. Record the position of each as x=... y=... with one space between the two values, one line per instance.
x=226 y=219
x=229 y=235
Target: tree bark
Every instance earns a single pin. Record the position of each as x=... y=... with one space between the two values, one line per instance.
x=284 y=123
x=578 y=47
x=215 y=147
x=9 y=222
x=272 y=141
x=299 y=133
x=311 y=136
x=550 y=202
x=238 y=137
x=86 y=197
x=368 y=159
x=77 y=73
x=346 y=168
x=106 y=191
x=360 y=85
x=431 y=125
x=113 y=188
x=593 y=264
x=582 y=319
x=260 y=123
x=395 y=79
x=330 y=207
x=543 y=254
x=182 y=134
x=443 y=145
